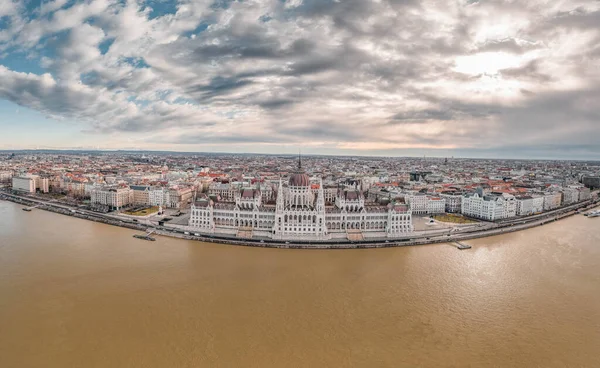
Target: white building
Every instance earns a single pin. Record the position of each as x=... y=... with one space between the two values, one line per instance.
x=570 y=196
x=436 y=205
x=226 y=191
x=525 y=206
x=158 y=196
x=178 y=197
x=141 y=195
x=113 y=197
x=538 y=204
x=453 y=201
x=421 y=203
x=489 y=207
x=43 y=184
x=585 y=194
x=552 y=200
x=24 y=183
x=300 y=214
x=418 y=203
x=5 y=176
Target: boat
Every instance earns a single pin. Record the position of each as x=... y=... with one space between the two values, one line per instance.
x=594 y=214
x=462 y=246
x=27 y=209
x=144 y=237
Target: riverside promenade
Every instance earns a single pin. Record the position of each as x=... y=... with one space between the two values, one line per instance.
x=416 y=238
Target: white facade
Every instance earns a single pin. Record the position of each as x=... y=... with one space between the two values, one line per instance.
x=526 y=207
x=418 y=203
x=158 y=197
x=570 y=196
x=226 y=191
x=5 y=176
x=421 y=203
x=112 y=197
x=489 y=207
x=584 y=194
x=24 y=184
x=299 y=214
x=436 y=205
x=538 y=204
x=43 y=184
x=453 y=202
x=552 y=200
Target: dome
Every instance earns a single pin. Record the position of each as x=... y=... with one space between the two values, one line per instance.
x=299 y=179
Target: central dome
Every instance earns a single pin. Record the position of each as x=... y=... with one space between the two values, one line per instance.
x=299 y=179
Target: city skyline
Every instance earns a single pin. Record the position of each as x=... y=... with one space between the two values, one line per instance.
x=383 y=78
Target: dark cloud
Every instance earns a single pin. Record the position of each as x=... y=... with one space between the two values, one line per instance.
x=529 y=71
x=275 y=103
x=422 y=116
x=507 y=45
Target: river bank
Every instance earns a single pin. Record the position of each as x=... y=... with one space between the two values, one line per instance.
x=506 y=226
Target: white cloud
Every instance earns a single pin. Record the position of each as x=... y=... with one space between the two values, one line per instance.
x=350 y=74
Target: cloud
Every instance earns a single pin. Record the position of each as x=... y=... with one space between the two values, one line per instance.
x=373 y=75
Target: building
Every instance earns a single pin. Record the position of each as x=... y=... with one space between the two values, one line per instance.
x=525 y=206
x=178 y=197
x=158 y=196
x=489 y=207
x=113 y=197
x=552 y=200
x=5 y=176
x=453 y=201
x=592 y=182
x=436 y=205
x=585 y=194
x=141 y=195
x=43 y=184
x=421 y=203
x=570 y=196
x=418 y=203
x=538 y=204
x=225 y=191
x=299 y=214
x=24 y=183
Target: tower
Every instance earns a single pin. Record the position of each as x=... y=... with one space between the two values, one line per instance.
x=280 y=197
x=279 y=212
x=321 y=229
x=320 y=198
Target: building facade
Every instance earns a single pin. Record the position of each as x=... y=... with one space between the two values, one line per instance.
x=552 y=200
x=5 y=176
x=453 y=202
x=113 y=197
x=24 y=184
x=489 y=207
x=300 y=214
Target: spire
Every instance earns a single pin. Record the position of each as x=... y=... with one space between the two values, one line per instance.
x=299 y=161
x=279 y=200
x=320 y=197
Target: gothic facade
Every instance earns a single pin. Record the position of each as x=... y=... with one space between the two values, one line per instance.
x=300 y=214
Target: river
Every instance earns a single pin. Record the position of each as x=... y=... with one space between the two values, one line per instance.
x=75 y=293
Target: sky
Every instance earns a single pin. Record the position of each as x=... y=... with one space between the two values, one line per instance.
x=464 y=78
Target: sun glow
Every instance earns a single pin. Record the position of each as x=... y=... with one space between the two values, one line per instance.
x=487 y=63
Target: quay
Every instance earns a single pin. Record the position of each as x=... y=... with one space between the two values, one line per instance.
x=412 y=239
x=146 y=236
x=461 y=246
